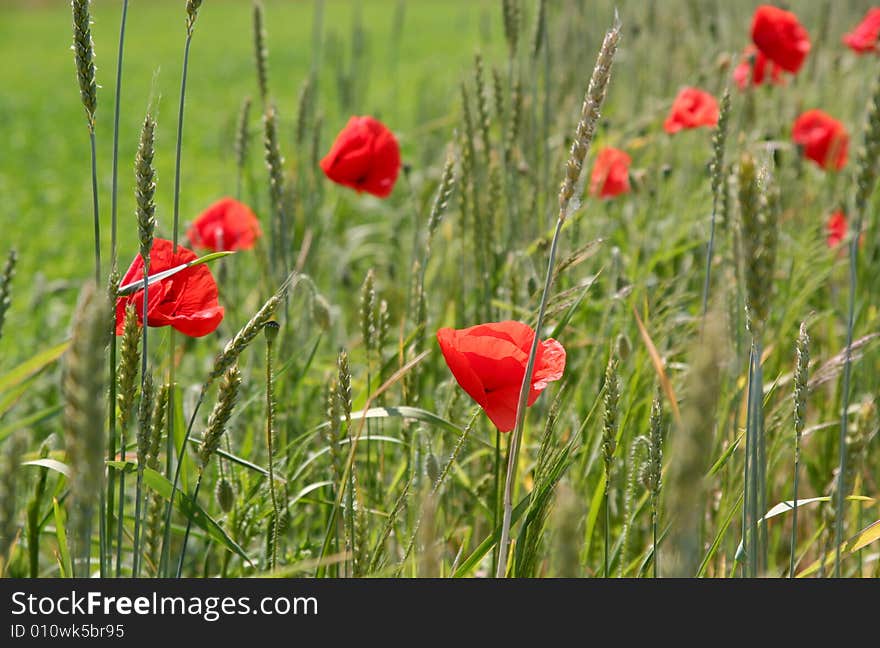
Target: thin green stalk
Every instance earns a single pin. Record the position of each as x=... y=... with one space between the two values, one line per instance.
x=170 y=453
x=847 y=371
x=590 y=112
x=513 y=451
x=754 y=531
x=107 y=522
x=271 y=333
x=195 y=497
x=140 y=473
x=656 y=557
x=171 y=347
x=496 y=504
x=607 y=526
x=120 y=512
x=761 y=448
x=95 y=207
x=717 y=170
x=102 y=535
x=176 y=226
x=181 y=455
x=747 y=537
x=138 y=497
x=801 y=378
x=114 y=181
x=794 y=512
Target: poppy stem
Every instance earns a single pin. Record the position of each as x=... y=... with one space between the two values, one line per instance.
x=496 y=505
x=513 y=451
x=847 y=371
x=140 y=474
x=107 y=522
x=270 y=433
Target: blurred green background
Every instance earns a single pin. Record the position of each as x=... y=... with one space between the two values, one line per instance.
x=409 y=80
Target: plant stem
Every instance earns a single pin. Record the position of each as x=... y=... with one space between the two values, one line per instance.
x=108 y=500
x=747 y=536
x=270 y=432
x=120 y=514
x=163 y=561
x=654 y=536
x=176 y=225
x=140 y=469
x=607 y=524
x=195 y=497
x=115 y=177
x=181 y=455
x=136 y=562
x=847 y=371
x=710 y=250
x=513 y=452
x=761 y=449
x=794 y=511
x=95 y=206
x=496 y=505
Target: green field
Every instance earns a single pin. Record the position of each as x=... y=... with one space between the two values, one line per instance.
x=637 y=258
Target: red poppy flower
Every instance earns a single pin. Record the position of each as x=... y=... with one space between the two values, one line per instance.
x=692 y=108
x=225 y=225
x=823 y=139
x=610 y=175
x=864 y=37
x=365 y=156
x=836 y=228
x=752 y=69
x=186 y=301
x=781 y=37
x=489 y=362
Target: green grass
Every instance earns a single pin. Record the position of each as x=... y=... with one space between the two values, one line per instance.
x=645 y=253
x=43 y=130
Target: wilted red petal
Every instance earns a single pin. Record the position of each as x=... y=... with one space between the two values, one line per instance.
x=365 y=157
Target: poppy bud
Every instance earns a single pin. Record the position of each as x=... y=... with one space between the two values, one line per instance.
x=271 y=329
x=225 y=495
x=624 y=346
x=321 y=312
x=432 y=467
